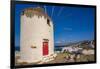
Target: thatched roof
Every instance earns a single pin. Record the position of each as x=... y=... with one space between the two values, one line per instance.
x=29 y=12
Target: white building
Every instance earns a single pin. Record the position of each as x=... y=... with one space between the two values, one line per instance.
x=71 y=49
x=36 y=35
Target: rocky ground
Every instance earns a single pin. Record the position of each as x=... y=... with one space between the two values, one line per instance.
x=61 y=58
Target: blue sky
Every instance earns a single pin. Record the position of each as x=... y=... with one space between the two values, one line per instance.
x=70 y=23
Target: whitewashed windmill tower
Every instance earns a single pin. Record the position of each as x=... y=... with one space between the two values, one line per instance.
x=36 y=35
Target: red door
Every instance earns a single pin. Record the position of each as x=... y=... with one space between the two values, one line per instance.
x=45 y=48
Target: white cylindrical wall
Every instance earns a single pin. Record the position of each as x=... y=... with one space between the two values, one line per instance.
x=33 y=30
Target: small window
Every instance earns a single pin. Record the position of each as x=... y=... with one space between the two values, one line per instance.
x=33 y=46
x=22 y=12
x=48 y=22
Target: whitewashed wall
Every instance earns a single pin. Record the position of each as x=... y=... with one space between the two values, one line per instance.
x=33 y=31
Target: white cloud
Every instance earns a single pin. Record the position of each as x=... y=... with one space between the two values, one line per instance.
x=58 y=42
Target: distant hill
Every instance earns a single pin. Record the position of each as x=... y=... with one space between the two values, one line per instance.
x=71 y=43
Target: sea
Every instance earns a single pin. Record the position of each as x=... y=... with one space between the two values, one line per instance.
x=17 y=48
